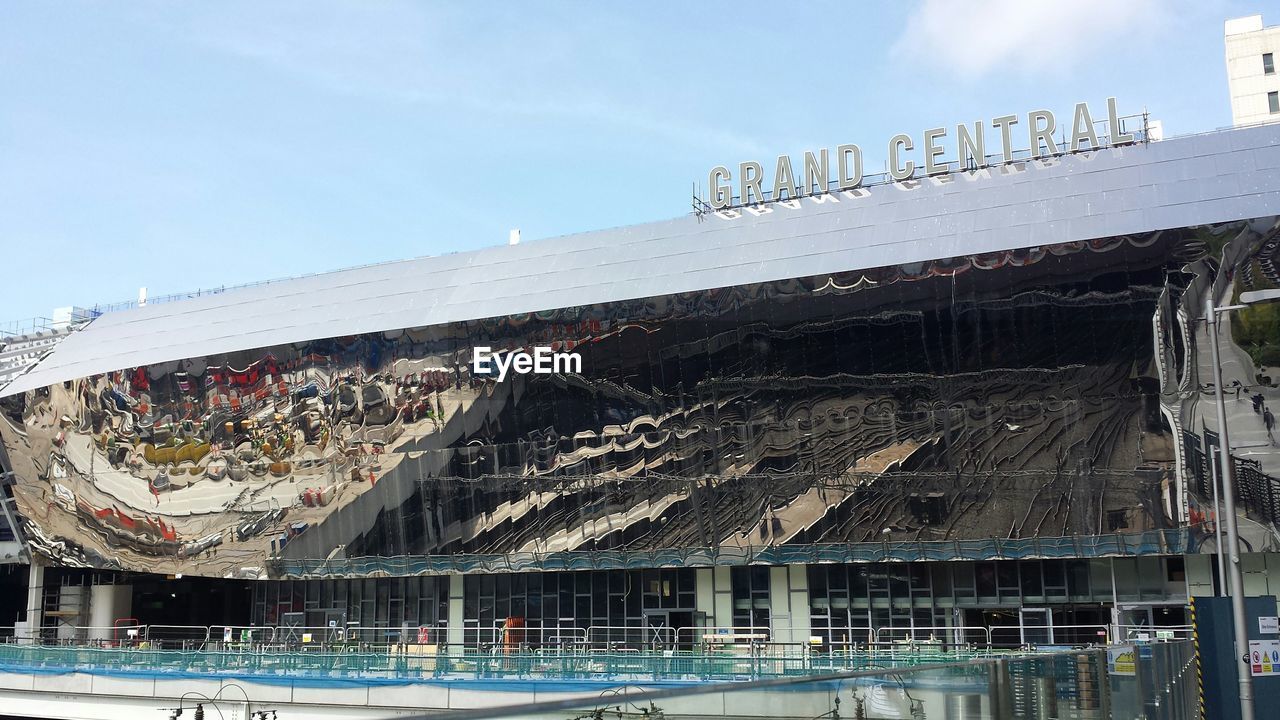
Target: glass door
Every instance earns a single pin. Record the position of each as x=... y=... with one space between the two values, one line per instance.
x=660 y=632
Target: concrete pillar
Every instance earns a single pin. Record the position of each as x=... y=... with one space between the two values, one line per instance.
x=724 y=596
x=35 y=601
x=779 y=605
x=455 y=636
x=108 y=603
x=704 y=598
x=798 y=587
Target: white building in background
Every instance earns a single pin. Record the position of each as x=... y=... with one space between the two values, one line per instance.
x=1252 y=54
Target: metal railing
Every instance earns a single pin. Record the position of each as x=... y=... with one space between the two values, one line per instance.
x=499 y=638
x=723 y=635
x=436 y=661
x=531 y=636
x=658 y=637
x=1258 y=491
x=1130 y=633
x=940 y=635
x=1152 y=680
x=1158 y=683
x=177 y=635
x=1015 y=635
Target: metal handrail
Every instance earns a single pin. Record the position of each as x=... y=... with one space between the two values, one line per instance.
x=201 y=632
x=395 y=662
x=934 y=631
x=217 y=633
x=528 y=636
x=649 y=635
x=712 y=633
x=558 y=637
x=1130 y=632
x=1099 y=631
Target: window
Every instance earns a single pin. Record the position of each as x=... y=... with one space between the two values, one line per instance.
x=1117 y=520
x=1268 y=64
x=1273 y=102
x=750 y=588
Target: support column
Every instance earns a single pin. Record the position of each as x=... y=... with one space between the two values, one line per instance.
x=798 y=581
x=35 y=600
x=704 y=598
x=724 y=596
x=780 y=628
x=107 y=604
x=456 y=636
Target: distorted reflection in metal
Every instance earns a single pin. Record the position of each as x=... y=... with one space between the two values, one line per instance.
x=1010 y=394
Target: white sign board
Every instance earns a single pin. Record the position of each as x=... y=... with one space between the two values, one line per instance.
x=1269 y=625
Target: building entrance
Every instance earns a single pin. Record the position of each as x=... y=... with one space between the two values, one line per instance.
x=670 y=630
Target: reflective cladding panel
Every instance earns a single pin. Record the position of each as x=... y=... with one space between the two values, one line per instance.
x=1013 y=394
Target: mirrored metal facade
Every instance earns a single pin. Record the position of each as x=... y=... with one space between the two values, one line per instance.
x=1008 y=395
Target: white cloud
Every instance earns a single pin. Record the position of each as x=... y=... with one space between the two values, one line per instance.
x=971 y=39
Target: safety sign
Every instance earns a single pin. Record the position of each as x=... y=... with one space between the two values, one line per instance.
x=1264 y=657
x=1120 y=660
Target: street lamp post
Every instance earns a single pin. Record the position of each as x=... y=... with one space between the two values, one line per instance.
x=1217 y=524
x=1229 y=498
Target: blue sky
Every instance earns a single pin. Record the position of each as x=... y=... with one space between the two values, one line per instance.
x=181 y=145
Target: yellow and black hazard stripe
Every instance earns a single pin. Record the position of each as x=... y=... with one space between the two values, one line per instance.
x=1195 y=639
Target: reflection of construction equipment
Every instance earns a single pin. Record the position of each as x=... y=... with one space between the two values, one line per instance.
x=176 y=713
x=653 y=712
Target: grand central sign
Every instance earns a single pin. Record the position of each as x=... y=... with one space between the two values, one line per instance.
x=977 y=146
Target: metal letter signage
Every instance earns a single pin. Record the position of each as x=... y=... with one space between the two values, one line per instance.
x=968 y=146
